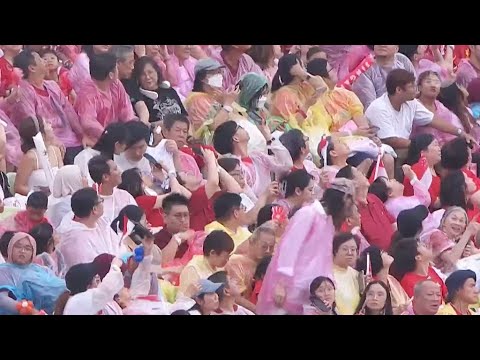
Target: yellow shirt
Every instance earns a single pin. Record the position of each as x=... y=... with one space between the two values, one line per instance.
x=238 y=237
x=198 y=268
x=449 y=310
x=347 y=290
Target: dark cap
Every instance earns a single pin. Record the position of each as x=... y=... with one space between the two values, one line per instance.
x=409 y=222
x=456 y=280
x=79 y=277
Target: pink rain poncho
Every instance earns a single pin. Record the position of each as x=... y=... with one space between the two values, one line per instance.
x=80 y=71
x=12 y=147
x=421 y=197
x=181 y=77
x=97 y=108
x=304 y=252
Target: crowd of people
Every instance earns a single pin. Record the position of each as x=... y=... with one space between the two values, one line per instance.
x=239 y=179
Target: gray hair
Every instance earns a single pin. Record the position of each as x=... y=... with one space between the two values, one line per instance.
x=265 y=228
x=418 y=288
x=121 y=51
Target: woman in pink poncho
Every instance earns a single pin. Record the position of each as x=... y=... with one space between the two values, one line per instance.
x=180 y=70
x=11 y=147
x=305 y=252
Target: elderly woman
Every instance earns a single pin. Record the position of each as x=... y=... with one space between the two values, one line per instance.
x=68 y=180
x=21 y=279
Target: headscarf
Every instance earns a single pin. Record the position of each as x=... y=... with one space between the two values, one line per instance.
x=16 y=238
x=67 y=180
x=251 y=84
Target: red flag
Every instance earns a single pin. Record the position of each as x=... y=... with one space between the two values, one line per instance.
x=422 y=170
x=322 y=149
x=379 y=170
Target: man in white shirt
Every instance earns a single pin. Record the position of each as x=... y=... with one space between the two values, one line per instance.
x=395 y=113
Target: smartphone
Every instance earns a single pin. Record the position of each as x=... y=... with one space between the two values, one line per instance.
x=320 y=305
x=152 y=161
x=197 y=151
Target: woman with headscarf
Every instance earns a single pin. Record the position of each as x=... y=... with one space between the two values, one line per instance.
x=21 y=279
x=68 y=180
x=462 y=293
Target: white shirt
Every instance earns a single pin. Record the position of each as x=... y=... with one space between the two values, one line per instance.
x=114 y=203
x=124 y=164
x=161 y=154
x=393 y=123
x=82 y=159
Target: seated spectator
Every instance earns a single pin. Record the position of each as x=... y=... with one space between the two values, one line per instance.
x=106 y=175
x=227 y=295
x=462 y=293
x=376 y=300
x=206 y=298
x=79 y=74
x=260 y=272
x=236 y=63
x=46 y=254
x=230 y=218
x=26 y=220
x=458 y=189
x=112 y=142
x=426 y=299
x=427 y=58
x=31 y=176
x=241 y=268
x=181 y=70
x=159 y=54
x=102 y=99
x=160 y=98
x=67 y=181
x=315 y=52
x=298 y=191
x=21 y=279
x=264 y=57
x=396 y=111
x=9 y=142
x=411 y=265
x=457 y=155
x=7 y=76
x=87 y=234
x=40 y=98
x=217 y=248
x=323 y=289
x=372 y=83
x=125 y=65
x=56 y=72
x=469 y=68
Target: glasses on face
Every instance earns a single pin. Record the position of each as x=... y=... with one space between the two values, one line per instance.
x=26 y=248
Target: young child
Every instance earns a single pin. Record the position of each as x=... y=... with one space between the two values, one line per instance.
x=226 y=296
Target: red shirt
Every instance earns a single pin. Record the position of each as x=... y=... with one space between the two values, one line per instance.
x=41 y=92
x=410 y=279
x=6 y=76
x=256 y=291
x=163 y=238
x=201 y=209
x=376 y=223
x=198 y=159
x=472 y=176
x=154 y=216
x=64 y=82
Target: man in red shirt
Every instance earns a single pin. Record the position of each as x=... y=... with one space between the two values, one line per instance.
x=6 y=68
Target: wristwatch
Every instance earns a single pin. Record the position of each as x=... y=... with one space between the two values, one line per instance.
x=227 y=108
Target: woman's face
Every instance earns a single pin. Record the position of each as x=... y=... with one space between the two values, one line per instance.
x=51 y=61
x=346 y=254
x=136 y=152
x=376 y=298
x=239 y=175
x=395 y=188
x=469 y=292
x=387 y=260
x=149 y=78
x=326 y=293
x=306 y=195
x=340 y=148
x=22 y=252
x=433 y=153
x=101 y=49
x=152 y=50
x=424 y=253
x=209 y=303
x=182 y=51
x=430 y=86
x=49 y=135
x=455 y=224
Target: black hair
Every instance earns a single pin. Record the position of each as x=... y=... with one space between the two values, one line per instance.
x=225 y=204
x=113 y=133
x=218 y=241
x=140 y=66
x=318 y=67
x=132 y=182
x=408 y=50
x=418 y=144
x=223 y=137
x=262 y=55
x=136 y=132
x=453 y=190
x=453 y=99
x=404 y=252
x=88 y=49
x=294 y=142
x=83 y=201
x=283 y=76
x=388 y=309
x=4 y=241
x=37 y=200
x=42 y=234
x=23 y=61
x=180 y=312
x=102 y=65
x=98 y=167
x=341 y=238
x=337 y=205
x=171 y=119
x=330 y=147
x=398 y=78
x=423 y=76
x=132 y=212
x=79 y=277
x=297 y=179
x=317 y=282
x=312 y=51
x=27 y=129
x=220 y=277
x=198 y=83
x=455 y=154
x=121 y=51
x=173 y=199
x=380 y=189
x=375 y=260
x=345 y=173
x=228 y=163
x=262 y=267
x=265 y=214
x=46 y=51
